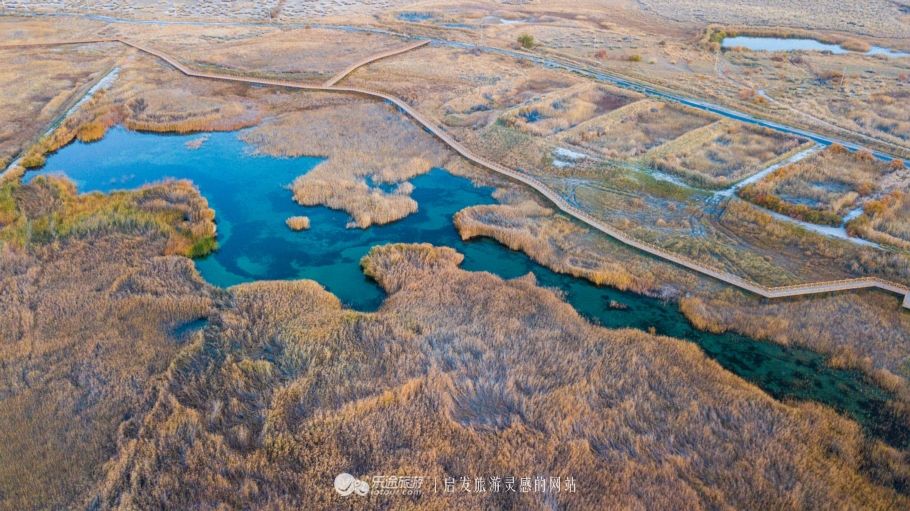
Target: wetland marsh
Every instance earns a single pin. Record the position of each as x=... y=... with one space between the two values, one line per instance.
x=251 y=197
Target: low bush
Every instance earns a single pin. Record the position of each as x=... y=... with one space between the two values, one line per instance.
x=526 y=41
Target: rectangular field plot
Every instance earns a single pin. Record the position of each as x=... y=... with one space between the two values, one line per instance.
x=821 y=188
x=885 y=220
x=725 y=152
x=562 y=110
x=635 y=129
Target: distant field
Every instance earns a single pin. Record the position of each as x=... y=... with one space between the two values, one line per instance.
x=879 y=17
x=562 y=110
x=240 y=9
x=634 y=130
x=306 y=54
x=724 y=152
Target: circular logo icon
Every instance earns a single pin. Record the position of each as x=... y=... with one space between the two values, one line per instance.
x=346 y=484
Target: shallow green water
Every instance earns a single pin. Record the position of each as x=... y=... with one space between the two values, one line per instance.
x=251 y=200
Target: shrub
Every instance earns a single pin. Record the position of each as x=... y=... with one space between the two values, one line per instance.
x=830 y=75
x=33 y=160
x=855 y=45
x=91 y=132
x=526 y=41
x=202 y=247
x=635 y=58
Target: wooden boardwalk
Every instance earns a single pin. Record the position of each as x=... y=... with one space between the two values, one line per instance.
x=543 y=189
x=373 y=58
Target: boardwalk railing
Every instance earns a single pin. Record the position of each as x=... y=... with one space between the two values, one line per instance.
x=373 y=58
x=536 y=184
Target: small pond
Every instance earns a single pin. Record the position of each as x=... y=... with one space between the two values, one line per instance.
x=798 y=44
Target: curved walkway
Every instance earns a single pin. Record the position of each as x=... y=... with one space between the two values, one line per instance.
x=373 y=58
x=555 y=198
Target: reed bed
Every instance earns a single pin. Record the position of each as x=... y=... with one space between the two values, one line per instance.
x=725 y=153
x=631 y=131
x=274 y=395
x=564 y=109
x=885 y=220
x=89 y=303
x=298 y=223
x=550 y=240
x=821 y=188
x=366 y=145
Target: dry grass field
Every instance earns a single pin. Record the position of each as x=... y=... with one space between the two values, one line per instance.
x=632 y=131
x=564 y=109
x=57 y=78
x=885 y=220
x=881 y=18
x=884 y=113
x=286 y=389
x=304 y=54
x=821 y=188
x=87 y=310
x=855 y=93
x=108 y=402
x=724 y=153
x=367 y=145
x=461 y=83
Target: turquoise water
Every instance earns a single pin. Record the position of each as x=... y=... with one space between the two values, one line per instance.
x=251 y=199
x=798 y=44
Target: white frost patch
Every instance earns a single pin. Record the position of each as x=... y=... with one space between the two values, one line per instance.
x=758 y=176
x=567 y=154
x=853 y=214
x=825 y=230
x=563 y=157
x=661 y=176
